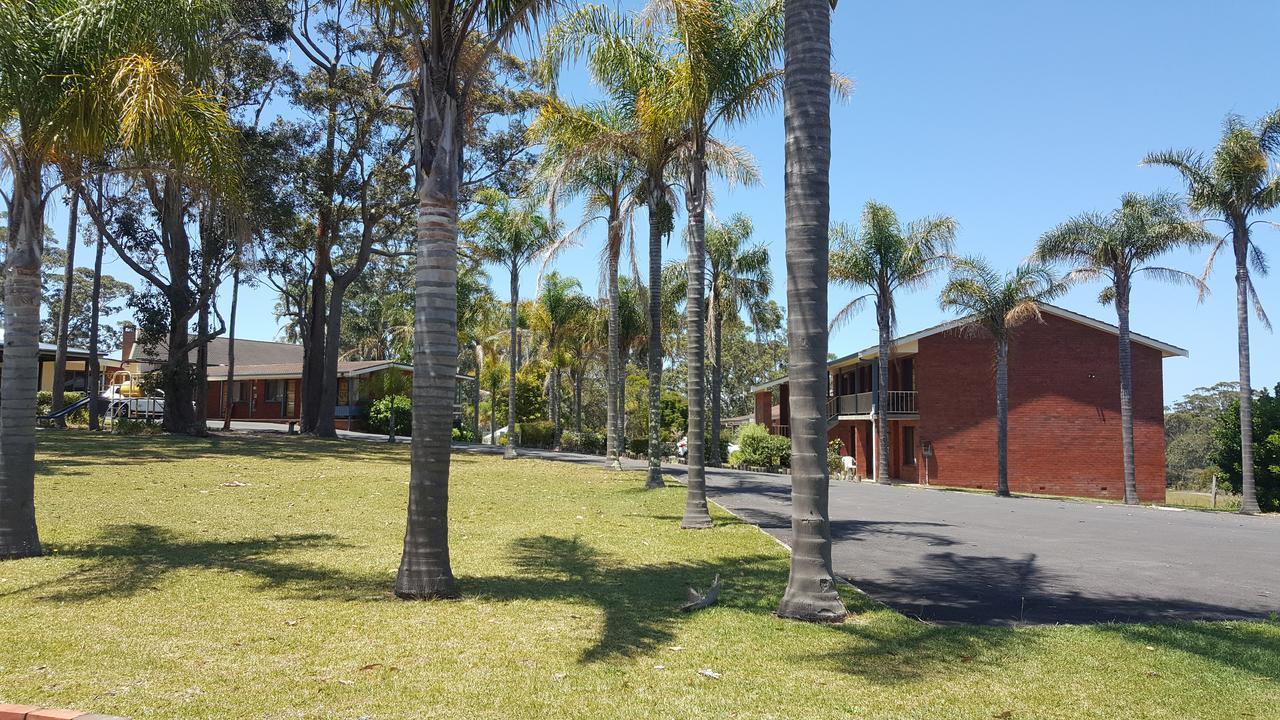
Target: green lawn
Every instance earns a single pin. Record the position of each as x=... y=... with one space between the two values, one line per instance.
x=170 y=594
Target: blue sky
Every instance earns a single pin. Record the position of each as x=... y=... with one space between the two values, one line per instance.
x=1011 y=117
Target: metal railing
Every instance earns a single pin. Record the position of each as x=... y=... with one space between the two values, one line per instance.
x=901 y=402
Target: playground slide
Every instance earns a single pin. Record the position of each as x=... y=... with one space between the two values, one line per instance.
x=81 y=403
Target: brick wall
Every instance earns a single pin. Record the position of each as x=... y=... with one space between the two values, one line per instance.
x=1064 y=411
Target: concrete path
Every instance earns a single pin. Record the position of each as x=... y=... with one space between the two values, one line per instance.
x=951 y=556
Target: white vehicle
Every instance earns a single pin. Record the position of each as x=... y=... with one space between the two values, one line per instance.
x=125 y=399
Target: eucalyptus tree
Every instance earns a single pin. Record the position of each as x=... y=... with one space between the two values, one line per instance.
x=511 y=234
x=76 y=79
x=450 y=43
x=558 y=319
x=738 y=278
x=997 y=303
x=1117 y=248
x=64 y=310
x=608 y=182
x=1234 y=185
x=881 y=258
x=806 y=98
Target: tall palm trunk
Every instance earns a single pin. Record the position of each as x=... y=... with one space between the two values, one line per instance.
x=18 y=535
x=882 y=390
x=64 y=313
x=512 y=353
x=656 y=208
x=695 y=507
x=613 y=437
x=231 y=348
x=717 y=378
x=95 y=312
x=811 y=592
x=1126 y=393
x=577 y=379
x=475 y=395
x=1002 y=417
x=1240 y=243
x=493 y=415
x=425 y=570
x=556 y=411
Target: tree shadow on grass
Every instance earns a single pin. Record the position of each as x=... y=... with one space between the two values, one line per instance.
x=129 y=559
x=1247 y=647
x=640 y=603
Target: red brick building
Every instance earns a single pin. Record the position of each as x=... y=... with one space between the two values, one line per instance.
x=1064 y=408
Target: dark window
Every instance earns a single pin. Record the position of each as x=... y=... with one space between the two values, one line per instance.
x=908 y=374
x=908 y=446
x=275 y=390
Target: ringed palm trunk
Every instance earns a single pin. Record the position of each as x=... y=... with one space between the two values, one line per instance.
x=654 y=478
x=425 y=571
x=717 y=379
x=613 y=423
x=811 y=593
x=1248 y=491
x=1126 y=394
x=695 y=508
x=493 y=415
x=64 y=314
x=1002 y=417
x=18 y=535
x=882 y=393
x=556 y=409
x=475 y=396
x=512 y=352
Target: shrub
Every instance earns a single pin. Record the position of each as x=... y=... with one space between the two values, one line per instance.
x=44 y=405
x=463 y=434
x=380 y=414
x=757 y=448
x=587 y=441
x=835 y=461
x=536 y=433
x=638 y=446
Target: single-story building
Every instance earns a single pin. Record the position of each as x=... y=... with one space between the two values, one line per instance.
x=1064 y=407
x=77 y=372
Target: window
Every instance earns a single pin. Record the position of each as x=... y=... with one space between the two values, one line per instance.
x=908 y=446
x=243 y=391
x=275 y=391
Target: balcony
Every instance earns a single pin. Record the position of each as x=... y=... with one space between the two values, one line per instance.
x=863 y=405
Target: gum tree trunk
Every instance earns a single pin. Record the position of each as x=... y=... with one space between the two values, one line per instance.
x=1002 y=417
x=1240 y=243
x=95 y=312
x=654 y=478
x=811 y=593
x=64 y=313
x=18 y=535
x=1126 y=393
x=425 y=570
x=882 y=391
x=695 y=508
x=512 y=352
x=231 y=348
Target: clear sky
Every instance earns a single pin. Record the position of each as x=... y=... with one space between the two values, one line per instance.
x=1011 y=116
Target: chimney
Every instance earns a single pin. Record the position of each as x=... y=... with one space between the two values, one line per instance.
x=128 y=337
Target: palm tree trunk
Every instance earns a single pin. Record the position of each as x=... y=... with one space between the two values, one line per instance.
x=425 y=570
x=475 y=396
x=555 y=390
x=18 y=535
x=493 y=415
x=1126 y=393
x=717 y=378
x=613 y=421
x=1002 y=417
x=654 y=477
x=1248 y=492
x=811 y=592
x=882 y=390
x=231 y=348
x=64 y=313
x=95 y=312
x=577 y=400
x=512 y=353
x=695 y=507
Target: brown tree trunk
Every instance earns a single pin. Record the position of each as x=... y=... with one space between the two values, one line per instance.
x=811 y=592
x=513 y=353
x=95 y=304
x=64 y=313
x=231 y=347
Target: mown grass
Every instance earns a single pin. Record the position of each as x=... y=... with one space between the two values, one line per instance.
x=170 y=591
x=1201 y=500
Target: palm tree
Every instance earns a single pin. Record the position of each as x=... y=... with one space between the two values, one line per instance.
x=739 y=278
x=75 y=80
x=478 y=311
x=728 y=49
x=511 y=234
x=882 y=257
x=997 y=304
x=1118 y=247
x=608 y=184
x=1234 y=185
x=806 y=97
x=556 y=317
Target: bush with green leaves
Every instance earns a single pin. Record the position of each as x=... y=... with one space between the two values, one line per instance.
x=758 y=448
x=1266 y=447
x=587 y=441
x=536 y=433
x=462 y=434
x=835 y=460
x=380 y=414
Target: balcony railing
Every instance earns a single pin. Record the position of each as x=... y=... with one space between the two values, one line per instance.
x=901 y=402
